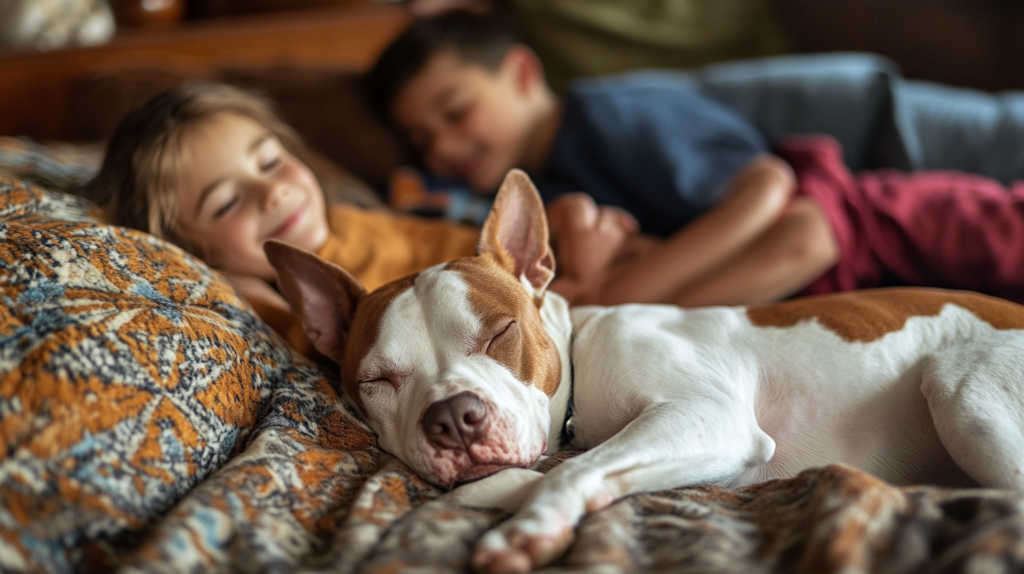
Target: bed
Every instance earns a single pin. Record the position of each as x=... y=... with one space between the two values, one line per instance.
x=152 y=423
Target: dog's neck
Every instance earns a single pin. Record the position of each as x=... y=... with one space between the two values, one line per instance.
x=555 y=315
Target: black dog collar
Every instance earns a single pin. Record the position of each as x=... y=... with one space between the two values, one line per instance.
x=567 y=424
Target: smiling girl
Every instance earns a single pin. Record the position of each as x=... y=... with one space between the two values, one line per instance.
x=212 y=169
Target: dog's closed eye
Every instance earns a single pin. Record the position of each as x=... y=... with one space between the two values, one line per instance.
x=499 y=336
x=378 y=376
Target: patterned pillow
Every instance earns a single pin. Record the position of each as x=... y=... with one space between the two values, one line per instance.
x=129 y=372
x=57 y=166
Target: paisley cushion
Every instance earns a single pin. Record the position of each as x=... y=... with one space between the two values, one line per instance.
x=131 y=371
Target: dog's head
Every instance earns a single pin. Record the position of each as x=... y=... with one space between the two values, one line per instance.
x=459 y=368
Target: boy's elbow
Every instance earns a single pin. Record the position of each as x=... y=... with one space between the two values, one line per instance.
x=768 y=182
x=815 y=244
x=774 y=169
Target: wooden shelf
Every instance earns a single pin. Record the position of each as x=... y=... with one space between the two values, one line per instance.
x=35 y=88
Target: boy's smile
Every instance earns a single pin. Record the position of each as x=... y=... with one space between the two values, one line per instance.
x=470 y=123
x=238 y=186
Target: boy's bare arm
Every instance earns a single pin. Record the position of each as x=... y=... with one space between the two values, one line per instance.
x=756 y=197
x=795 y=250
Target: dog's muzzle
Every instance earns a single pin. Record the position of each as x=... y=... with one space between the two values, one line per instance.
x=456 y=422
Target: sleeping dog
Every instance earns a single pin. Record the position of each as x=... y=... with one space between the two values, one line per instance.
x=471 y=369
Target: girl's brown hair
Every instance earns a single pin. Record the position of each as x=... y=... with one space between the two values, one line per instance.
x=135 y=184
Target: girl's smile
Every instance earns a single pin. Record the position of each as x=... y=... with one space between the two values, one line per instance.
x=293 y=220
x=238 y=187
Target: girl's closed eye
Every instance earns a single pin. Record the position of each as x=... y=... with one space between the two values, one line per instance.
x=224 y=209
x=270 y=154
x=270 y=164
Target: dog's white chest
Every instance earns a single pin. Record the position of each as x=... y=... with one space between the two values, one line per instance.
x=627 y=357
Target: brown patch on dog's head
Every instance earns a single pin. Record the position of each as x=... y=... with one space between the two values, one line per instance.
x=364 y=332
x=865 y=316
x=526 y=349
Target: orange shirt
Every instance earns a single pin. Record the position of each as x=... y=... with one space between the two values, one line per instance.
x=376 y=247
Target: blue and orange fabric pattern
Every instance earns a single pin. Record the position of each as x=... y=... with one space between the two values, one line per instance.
x=131 y=372
x=150 y=422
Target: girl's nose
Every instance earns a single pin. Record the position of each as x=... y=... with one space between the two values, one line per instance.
x=269 y=192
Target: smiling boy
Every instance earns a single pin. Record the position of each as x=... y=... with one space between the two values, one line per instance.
x=739 y=225
x=473 y=102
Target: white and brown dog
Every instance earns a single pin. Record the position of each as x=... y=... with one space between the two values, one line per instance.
x=469 y=368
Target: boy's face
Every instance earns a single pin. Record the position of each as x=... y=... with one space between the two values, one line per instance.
x=239 y=187
x=468 y=122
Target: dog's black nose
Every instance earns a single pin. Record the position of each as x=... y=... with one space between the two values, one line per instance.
x=455 y=422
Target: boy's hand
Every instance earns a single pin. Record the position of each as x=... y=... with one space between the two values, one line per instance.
x=587 y=239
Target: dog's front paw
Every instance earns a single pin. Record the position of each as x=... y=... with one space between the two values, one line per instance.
x=524 y=543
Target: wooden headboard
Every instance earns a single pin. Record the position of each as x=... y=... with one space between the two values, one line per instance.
x=36 y=88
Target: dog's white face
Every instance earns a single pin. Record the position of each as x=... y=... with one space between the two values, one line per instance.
x=452 y=367
x=455 y=383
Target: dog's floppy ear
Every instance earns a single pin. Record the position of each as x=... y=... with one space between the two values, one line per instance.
x=323 y=295
x=516 y=232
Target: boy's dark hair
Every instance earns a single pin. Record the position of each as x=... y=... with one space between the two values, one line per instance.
x=477 y=38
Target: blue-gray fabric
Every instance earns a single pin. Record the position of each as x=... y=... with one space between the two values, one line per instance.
x=880 y=118
x=941 y=127
x=843 y=95
x=648 y=143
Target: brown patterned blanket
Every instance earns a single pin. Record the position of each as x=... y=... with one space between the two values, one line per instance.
x=151 y=423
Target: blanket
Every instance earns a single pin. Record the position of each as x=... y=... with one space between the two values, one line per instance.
x=150 y=422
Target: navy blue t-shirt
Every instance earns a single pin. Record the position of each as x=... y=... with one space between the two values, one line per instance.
x=649 y=143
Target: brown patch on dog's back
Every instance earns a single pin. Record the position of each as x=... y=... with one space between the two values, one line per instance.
x=364 y=332
x=865 y=316
x=495 y=295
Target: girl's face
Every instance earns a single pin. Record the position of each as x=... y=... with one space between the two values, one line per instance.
x=239 y=187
